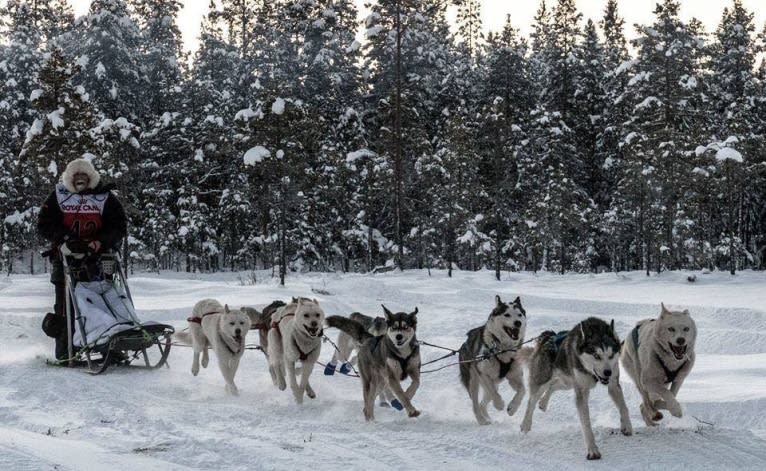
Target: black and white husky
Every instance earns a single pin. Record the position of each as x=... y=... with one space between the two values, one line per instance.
x=501 y=338
x=386 y=360
x=659 y=353
x=580 y=358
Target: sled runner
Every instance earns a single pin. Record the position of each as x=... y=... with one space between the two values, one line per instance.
x=106 y=330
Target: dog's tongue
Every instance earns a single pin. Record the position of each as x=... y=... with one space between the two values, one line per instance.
x=678 y=351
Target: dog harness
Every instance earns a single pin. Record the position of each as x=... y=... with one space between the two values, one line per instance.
x=402 y=361
x=303 y=356
x=275 y=324
x=505 y=367
x=558 y=339
x=198 y=319
x=670 y=375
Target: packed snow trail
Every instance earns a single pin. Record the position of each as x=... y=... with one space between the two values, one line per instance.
x=57 y=418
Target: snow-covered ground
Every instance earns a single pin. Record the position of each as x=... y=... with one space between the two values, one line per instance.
x=57 y=418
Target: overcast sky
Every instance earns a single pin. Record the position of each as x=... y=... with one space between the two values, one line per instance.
x=521 y=11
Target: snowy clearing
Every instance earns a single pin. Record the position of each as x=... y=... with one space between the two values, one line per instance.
x=56 y=418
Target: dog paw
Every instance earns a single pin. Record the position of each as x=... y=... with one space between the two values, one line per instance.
x=345 y=368
x=526 y=427
x=311 y=394
x=232 y=389
x=675 y=410
x=413 y=413
x=543 y=406
x=384 y=404
x=396 y=404
x=483 y=421
x=513 y=407
x=195 y=371
x=627 y=430
x=329 y=369
x=204 y=362
x=594 y=454
x=498 y=404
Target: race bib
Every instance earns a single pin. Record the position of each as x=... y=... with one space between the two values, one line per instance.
x=82 y=212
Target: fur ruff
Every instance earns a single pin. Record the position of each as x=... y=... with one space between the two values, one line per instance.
x=80 y=166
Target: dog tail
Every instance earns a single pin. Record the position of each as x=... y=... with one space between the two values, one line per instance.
x=183 y=337
x=269 y=310
x=524 y=354
x=352 y=328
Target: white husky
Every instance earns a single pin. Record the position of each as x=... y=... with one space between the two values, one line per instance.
x=216 y=326
x=295 y=335
x=660 y=352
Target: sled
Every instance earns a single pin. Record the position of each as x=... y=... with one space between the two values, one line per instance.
x=97 y=284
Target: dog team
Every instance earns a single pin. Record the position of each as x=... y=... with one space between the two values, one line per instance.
x=658 y=354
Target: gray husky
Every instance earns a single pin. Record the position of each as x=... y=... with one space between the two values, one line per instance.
x=376 y=326
x=386 y=360
x=504 y=333
x=658 y=353
x=295 y=335
x=580 y=358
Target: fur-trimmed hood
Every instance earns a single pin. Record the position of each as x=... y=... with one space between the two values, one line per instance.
x=80 y=166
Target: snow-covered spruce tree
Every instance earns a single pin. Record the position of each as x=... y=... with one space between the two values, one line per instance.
x=661 y=134
x=616 y=228
x=469 y=25
x=507 y=99
x=391 y=28
x=430 y=87
x=162 y=55
x=107 y=47
x=735 y=120
x=276 y=168
x=557 y=171
x=330 y=89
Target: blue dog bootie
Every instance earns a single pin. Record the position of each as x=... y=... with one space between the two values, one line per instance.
x=396 y=404
x=345 y=368
x=329 y=369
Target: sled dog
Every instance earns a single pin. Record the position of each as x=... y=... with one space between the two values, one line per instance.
x=224 y=330
x=261 y=321
x=657 y=353
x=295 y=335
x=386 y=360
x=501 y=337
x=580 y=358
x=376 y=326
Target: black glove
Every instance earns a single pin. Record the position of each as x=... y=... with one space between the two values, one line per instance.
x=74 y=246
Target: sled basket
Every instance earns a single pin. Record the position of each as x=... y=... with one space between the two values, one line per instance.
x=103 y=327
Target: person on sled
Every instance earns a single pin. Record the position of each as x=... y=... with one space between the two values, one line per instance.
x=80 y=216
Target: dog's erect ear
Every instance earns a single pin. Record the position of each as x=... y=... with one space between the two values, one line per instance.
x=582 y=330
x=387 y=313
x=686 y=311
x=226 y=308
x=517 y=300
x=315 y=301
x=414 y=315
x=664 y=310
x=295 y=300
x=498 y=302
x=611 y=326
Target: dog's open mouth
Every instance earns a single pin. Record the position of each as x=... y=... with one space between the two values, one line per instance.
x=513 y=332
x=312 y=331
x=601 y=379
x=679 y=351
x=239 y=339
